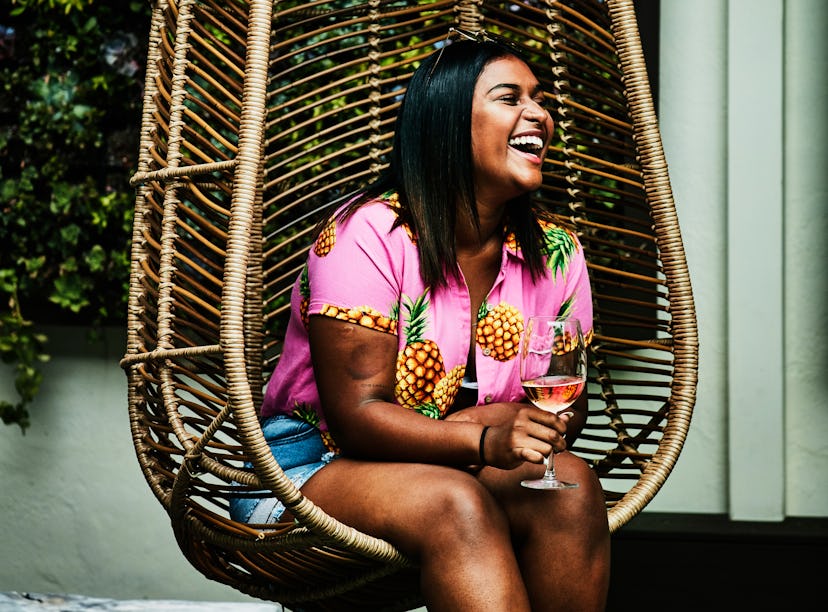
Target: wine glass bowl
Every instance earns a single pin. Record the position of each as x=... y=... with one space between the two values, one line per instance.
x=553 y=374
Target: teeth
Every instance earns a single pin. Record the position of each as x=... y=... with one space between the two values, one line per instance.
x=532 y=142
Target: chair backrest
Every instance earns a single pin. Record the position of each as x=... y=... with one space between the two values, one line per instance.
x=259 y=117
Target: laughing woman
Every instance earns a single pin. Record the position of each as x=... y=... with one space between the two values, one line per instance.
x=394 y=406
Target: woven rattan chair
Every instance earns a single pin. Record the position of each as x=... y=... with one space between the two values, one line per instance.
x=258 y=117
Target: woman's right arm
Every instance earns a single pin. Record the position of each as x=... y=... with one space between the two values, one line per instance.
x=354 y=367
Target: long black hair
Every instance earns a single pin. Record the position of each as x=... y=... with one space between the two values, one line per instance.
x=431 y=164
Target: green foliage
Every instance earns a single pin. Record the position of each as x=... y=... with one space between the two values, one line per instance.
x=65 y=5
x=70 y=94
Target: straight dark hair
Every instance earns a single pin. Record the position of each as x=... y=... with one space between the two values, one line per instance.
x=431 y=165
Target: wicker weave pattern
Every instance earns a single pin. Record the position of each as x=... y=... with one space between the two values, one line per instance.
x=258 y=118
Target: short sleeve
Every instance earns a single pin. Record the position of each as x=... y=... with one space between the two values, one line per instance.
x=357 y=266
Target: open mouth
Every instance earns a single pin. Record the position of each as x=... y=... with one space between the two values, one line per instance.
x=527 y=144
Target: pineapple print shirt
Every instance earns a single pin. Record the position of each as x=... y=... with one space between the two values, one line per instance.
x=367 y=272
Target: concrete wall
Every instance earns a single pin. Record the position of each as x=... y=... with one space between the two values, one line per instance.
x=77 y=514
x=742 y=101
x=743 y=93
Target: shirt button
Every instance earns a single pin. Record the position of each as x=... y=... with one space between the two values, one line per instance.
x=489 y=307
x=488 y=399
x=487 y=351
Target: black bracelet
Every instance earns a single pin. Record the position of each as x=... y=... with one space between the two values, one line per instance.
x=482 y=442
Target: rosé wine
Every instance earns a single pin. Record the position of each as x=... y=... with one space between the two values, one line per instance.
x=553 y=393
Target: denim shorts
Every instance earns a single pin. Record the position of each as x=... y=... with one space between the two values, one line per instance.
x=299 y=449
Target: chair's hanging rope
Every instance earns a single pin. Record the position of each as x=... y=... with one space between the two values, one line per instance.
x=375 y=95
x=469 y=17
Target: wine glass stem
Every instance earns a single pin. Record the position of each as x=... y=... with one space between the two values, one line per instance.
x=549 y=474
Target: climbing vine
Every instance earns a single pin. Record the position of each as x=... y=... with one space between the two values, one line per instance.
x=71 y=77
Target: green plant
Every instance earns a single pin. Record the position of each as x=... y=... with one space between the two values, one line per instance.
x=70 y=96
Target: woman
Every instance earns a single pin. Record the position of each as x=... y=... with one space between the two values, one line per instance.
x=411 y=307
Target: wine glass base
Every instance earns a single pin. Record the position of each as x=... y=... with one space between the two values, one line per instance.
x=540 y=483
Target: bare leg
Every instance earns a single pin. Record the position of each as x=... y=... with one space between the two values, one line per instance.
x=442 y=517
x=561 y=538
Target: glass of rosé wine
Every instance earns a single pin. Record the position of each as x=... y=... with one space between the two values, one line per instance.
x=553 y=369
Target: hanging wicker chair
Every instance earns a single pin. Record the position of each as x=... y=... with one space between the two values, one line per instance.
x=258 y=118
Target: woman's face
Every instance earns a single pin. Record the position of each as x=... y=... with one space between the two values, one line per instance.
x=510 y=131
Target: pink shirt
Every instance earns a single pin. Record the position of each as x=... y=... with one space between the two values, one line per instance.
x=367 y=273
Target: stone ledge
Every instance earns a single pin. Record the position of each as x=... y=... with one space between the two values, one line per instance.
x=48 y=602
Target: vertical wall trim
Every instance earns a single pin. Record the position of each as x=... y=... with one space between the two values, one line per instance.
x=755 y=260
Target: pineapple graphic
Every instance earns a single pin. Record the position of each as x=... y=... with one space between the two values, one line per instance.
x=361 y=315
x=304 y=291
x=559 y=246
x=429 y=409
x=419 y=364
x=326 y=240
x=304 y=412
x=392 y=197
x=393 y=200
x=565 y=344
x=498 y=330
x=566 y=308
x=446 y=389
x=510 y=241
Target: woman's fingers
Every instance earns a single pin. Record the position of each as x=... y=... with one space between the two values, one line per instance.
x=530 y=436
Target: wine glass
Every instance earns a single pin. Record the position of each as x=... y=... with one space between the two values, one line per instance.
x=553 y=374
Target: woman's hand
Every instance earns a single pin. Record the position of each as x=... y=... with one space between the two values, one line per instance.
x=530 y=434
x=517 y=432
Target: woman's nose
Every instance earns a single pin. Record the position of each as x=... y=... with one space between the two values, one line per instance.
x=535 y=112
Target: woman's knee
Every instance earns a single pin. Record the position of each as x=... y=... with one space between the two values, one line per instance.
x=468 y=509
x=574 y=468
x=589 y=501
x=586 y=502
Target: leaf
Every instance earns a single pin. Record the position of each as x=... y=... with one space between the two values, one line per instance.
x=8 y=280
x=70 y=233
x=70 y=292
x=64 y=210
x=96 y=258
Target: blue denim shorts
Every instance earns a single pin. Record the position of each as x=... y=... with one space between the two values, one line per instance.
x=299 y=449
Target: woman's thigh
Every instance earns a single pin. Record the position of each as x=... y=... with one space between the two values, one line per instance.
x=530 y=509
x=405 y=503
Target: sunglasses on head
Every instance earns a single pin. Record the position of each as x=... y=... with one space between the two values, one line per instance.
x=480 y=36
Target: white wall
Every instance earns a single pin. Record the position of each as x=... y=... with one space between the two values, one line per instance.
x=806 y=257
x=743 y=98
x=77 y=516
x=693 y=123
